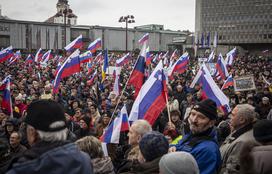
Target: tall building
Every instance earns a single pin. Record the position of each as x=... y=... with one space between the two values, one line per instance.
x=245 y=23
x=64 y=13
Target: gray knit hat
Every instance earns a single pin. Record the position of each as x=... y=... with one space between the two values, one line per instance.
x=178 y=162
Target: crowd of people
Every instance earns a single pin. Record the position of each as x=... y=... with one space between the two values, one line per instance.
x=59 y=133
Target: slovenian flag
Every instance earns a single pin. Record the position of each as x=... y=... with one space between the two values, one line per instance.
x=85 y=57
x=95 y=45
x=144 y=39
x=180 y=65
x=120 y=124
x=151 y=99
x=228 y=83
x=123 y=60
x=6 y=54
x=6 y=101
x=75 y=44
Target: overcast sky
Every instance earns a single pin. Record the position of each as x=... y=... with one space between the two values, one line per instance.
x=173 y=14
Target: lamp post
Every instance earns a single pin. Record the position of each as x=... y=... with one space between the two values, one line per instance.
x=65 y=11
x=127 y=19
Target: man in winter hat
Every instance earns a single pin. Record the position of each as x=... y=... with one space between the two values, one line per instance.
x=201 y=141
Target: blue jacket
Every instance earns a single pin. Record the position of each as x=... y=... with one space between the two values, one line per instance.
x=205 y=151
x=61 y=159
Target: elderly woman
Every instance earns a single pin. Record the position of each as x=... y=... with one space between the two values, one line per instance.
x=92 y=146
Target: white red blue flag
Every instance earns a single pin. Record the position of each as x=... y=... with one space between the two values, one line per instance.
x=211 y=90
x=69 y=67
x=221 y=67
x=91 y=80
x=228 y=83
x=6 y=54
x=123 y=60
x=180 y=65
x=75 y=44
x=120 y=124
x=211 y=57
x=231 y=56
x=38 y=56
x=46 y=56
x=6 y=101
x=151 y=99
x=137 y=76
x=85 y=57
x=16 y=56
x=95 y=45
x=144 y=39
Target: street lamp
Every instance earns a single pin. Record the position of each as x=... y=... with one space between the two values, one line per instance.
x=127 y=19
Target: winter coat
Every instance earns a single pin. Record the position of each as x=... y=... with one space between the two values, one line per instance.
x=151 y=167
x=102 y=165
x=58 y=157
x=231 y=147
x=256 y=158
x=204 y=149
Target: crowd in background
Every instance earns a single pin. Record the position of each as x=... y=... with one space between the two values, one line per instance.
x=88 y=109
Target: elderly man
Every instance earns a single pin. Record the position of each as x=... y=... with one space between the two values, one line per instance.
x=50 y=152
x=201 y=142
x=137 y=130
x=15 y=146
x=242 y=119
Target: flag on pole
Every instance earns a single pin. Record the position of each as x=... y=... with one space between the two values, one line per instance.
x=215 y=40
x=120 y=124
x=211 y=57
x=230 y=56
x=138 y=73
x=38 y=56
x=90 y=82
x=144 y=39
x=148 y=57
x=123 y=60
x=95 y=45
x=6 y=101
x=208 y=40
x=6 y=54
x=151 y=99
x=105 y=65
x=17 y=55
x=221 y=67
x=180 y=65
x=75 y=44
x=85 y=57
x=69 y=67
x=228 y=83
x=46 y=56
x=116 y=88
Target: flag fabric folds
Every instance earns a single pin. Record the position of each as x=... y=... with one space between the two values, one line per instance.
x=180 y=65
x=211 y=57
x=148 y=58
x=123 y=60
x=95 y=45
x=120 y=124
x=29 y=59
x=38 y=56
x=151 y=99
x=6 y=54
x=6 y=101
x=46 y=56
x=85 y=57
x=221 y=67
x=116 y=88
x=228 y=83
x=75 y=44
x=69 y=67
x=91 y=80
x=230 y=56
x=16 y=56
x=144 y=39
x=211 y=90
x=138 y=73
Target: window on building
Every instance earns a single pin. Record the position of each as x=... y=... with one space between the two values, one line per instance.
x=269 y=36
x=4 y=41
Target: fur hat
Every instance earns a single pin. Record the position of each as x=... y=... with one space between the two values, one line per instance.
x=42 y=113
x=153 y=145
x=208 y=108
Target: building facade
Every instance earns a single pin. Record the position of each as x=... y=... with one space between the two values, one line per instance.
x=27 y=35
x=245 y=23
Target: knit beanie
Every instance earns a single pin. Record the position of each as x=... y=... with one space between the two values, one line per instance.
x=42 y=113
x=153 y=145
x=208 y=108
x=262 y=131
x=178 y=162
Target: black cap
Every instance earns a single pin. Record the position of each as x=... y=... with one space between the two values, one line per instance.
x=262 y=131
x=42 y=113
x=208 y=108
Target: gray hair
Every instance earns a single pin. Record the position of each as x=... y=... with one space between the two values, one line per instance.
x=246 y=111
x=142 y=127
x=60 y=135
